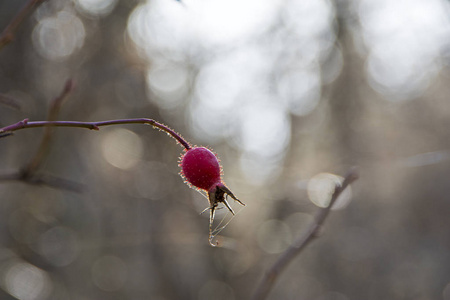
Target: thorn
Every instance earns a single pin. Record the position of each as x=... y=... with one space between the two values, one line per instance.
x=228 y=192
x=205 y=210
x=228 y=206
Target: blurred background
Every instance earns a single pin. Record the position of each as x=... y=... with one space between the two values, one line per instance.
x=289 y=93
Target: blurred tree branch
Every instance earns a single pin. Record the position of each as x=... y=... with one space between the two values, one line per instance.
x=7 y=36
x=271 y=276
x=9 y=101
x=28 y=173
x=43 y=179
x=55 y=107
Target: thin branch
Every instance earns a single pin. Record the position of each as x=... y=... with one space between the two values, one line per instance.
x=28 y=173
x=271 y=276
x=5 y=131
x=9 y=101
x=43 y=179
x=43 y=149
x=7 y=36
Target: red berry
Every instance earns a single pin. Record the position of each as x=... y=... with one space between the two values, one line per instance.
x=200 y=167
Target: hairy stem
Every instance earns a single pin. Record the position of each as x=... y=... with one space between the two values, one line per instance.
x=5 y=131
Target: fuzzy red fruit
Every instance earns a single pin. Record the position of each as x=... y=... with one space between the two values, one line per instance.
x=200 y=167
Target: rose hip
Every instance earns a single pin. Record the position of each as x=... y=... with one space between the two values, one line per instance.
x=201 y=168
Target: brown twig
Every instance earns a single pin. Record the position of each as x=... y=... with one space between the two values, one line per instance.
x=43 y=179
x=24 y=124
x=9 y=101
x=271 y=276
x=43 y=149
x=28 y=173
x=7 y=36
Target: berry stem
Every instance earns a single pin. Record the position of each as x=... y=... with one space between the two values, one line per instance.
x=5 y=131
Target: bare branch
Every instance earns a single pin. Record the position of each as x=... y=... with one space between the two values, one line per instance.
x=43 y=179
x=28 y=173
x=9 y=101
x=24 y=124
x=7 y=36
x=43 y=149
x=271 y=276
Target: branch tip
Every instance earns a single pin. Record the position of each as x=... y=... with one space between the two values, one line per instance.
x=352 y=175
x=313 y=231
x=69 y=86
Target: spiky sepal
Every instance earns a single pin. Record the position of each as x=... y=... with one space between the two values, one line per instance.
x=217 y=194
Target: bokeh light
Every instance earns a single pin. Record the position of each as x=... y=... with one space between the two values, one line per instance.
x=25 y=281
x=263 y=138
x=274 y=236
x=312 y=25
x=58 y=37
x=59 y=246
x=405 y=46
x=96 y=7
x=322 y=186
x=300 y=90
x=282 y=90
x=161 y=25
x=240 y=77
x=122 y=148
x=168 y=85
x=265 y=130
